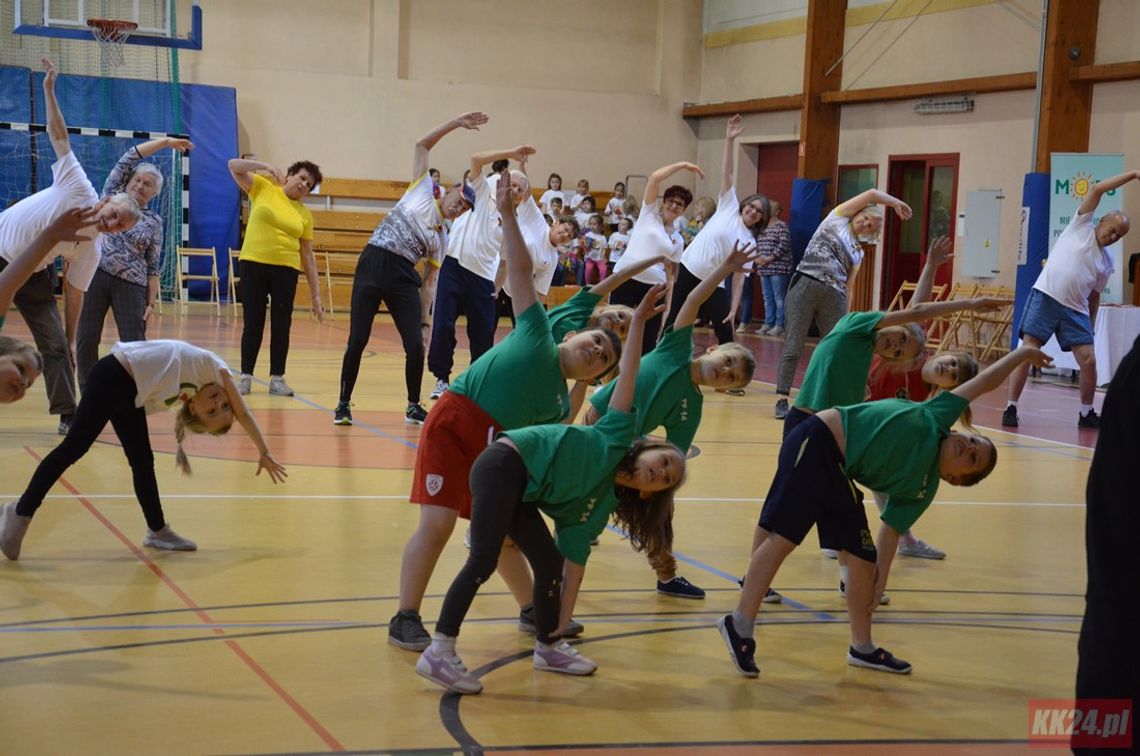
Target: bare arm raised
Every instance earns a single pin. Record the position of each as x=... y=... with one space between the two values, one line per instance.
x=520 y=268
x=472 y=120
x=242 y=171
x=1102 y=188
x=994 y=376
x=56 y=126
x=653 y=185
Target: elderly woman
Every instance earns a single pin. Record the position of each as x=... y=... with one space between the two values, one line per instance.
x=127 y=279
x=820 y=288
x=278 y=240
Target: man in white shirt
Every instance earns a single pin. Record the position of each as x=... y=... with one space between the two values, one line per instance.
x=466 y=281
x=1065 y=298
x=24 y=221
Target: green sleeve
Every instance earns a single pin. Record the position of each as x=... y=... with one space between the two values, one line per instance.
x=682 y=434
x=573 y=314
x=601 y=398
x=946 y=408
x=901 y=513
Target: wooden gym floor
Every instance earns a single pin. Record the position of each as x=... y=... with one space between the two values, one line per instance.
x=272 y=637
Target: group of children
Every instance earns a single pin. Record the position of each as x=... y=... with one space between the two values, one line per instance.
x=503 y=451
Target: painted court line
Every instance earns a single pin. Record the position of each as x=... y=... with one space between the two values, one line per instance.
x=256 y=668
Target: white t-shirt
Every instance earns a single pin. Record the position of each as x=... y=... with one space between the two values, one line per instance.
x=536 y=234
x=414 y=228
x=548 y=195
x=617 y=243
x=713 y=244
x=614 y=212
x=575 y=200
x=583 y=218
x=1077 y=266
x=24 y=221
x=597 y=249
x=477 y=236
x=648 y=240
x=166 y=370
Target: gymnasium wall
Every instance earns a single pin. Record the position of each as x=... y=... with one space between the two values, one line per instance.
x=597 y=85
x=952 y=39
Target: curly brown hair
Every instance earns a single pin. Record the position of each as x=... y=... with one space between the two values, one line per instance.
x=647 y=519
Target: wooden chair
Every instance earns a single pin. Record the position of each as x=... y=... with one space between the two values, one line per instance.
x=990 y=329
x=234 y=280
x=184 y=276
x=323 y=258
x=904 y=297
x=944 y=333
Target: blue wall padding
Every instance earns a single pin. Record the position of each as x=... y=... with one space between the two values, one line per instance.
x=1035 y=196
x=808 y=198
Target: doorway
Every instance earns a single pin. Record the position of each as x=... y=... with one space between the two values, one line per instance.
x=776 y=167
x=929 y=184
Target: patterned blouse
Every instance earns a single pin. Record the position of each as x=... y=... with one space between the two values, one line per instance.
x=775 y=241
x=136 y=253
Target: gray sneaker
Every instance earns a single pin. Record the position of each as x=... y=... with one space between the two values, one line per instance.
x=781 y=408
x=168 y=540
x=406 y=630
x=245 y=382
x=920 y=549
x=13 y=527
x=776 y=331
x=449 y=671
x=278 y=387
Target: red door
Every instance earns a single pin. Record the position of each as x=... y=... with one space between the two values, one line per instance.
x=776 y=167
x=928 y=183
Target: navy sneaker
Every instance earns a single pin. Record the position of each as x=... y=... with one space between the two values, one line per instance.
x=1091 y=420
x=679 y=587
x=880 y=659
x=415 y=414
x=742 y=650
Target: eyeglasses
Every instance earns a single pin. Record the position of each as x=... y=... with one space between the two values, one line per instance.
x=679 y=204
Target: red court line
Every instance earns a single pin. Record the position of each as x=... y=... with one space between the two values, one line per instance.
x=204 y=616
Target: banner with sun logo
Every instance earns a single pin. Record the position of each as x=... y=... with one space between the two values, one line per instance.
x=1073 y=175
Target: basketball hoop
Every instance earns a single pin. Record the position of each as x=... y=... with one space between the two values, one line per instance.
x=112 y=36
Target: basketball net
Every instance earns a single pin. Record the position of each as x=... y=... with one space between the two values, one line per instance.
x=112 y=36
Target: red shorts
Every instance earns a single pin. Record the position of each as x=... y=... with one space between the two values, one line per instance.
x=455 y=434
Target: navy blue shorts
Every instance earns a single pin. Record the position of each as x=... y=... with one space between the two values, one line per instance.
x=811 y=487
x=1045 y=316
x=794 y=417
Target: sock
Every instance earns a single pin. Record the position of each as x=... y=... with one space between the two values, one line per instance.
x=843 y=573
x=744 y=627
x=1011 y=404
x=864 y=648
x=1086 y=409
x=442 y=645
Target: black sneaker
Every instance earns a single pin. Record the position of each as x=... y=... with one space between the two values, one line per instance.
x=742 y=650
x=528 y=626
x=1091 y=420
x=406 y=630
x=1009 y=417
x=66 y=420
x=679 y=587
x=880 y=659
x=771 y=597
x=342 y=415
x=415 y=414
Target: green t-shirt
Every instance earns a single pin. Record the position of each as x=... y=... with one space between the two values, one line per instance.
x=570 y=472
x=665 y=395
x=893 y=447
x=519 y=381
x=573 y=314
x=837 y=373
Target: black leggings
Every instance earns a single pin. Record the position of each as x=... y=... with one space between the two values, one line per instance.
x=109 y=397
x=715 y=309
x=630 y=294
x=259 y=283
x=383 y=276
x=498 y=482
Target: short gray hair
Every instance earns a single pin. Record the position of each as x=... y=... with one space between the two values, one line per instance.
x=153 y=170
x=127 y=204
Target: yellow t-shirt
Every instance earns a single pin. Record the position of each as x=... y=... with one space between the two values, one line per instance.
x=276 y=226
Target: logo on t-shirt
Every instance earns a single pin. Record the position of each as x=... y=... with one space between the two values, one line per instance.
x=434 y=484
x=589 y=510
x=684 y=409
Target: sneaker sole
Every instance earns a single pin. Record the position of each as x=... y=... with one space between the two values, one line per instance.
x=410 y=421
x=164 y=547
x=575 y=673
x=720 y=624
x=448 y=686
x=776 y=599
x=857 y=662
x=922 y=555
x=278 y=393
x=410 y=645
x=342 y=421
x=693 y=596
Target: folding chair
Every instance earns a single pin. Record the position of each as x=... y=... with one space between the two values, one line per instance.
x=234 y=279
x=184 y=276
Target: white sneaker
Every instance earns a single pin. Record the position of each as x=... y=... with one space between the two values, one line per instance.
x=245 y=383
x=776 y=331
x=440 y=387
x=13 y=527
x=168 y=540
x=763 y=330
x=742 y=328
x=448 y=671
x=278 y=387
x=562 y=657
x=829 y=553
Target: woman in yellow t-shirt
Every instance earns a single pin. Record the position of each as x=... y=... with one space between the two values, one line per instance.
x=278 y=240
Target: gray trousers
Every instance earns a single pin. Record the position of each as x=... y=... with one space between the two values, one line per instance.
x=807 y=299
x=128 y=302
x=36 y=302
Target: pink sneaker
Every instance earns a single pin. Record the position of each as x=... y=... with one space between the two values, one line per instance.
x=562 y=657
x=448 y=671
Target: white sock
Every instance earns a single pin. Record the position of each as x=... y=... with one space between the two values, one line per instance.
x=442 y=644
x=744 y=628
x=1086 y=409
x=843 y=573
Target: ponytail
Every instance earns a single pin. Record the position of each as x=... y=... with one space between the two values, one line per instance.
x=184 y=421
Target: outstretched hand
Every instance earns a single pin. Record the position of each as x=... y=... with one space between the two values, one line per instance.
x=67 y=224
x=472 y=120
x=735 y=127
x=1036 y=357
x=903 y=210
x=276 y=472
x=742 y=256
x=521 y=153
x=693 y=168
x=653 y=303
x=503 y=199
x=50 y=73
x=182 y=145
x=940 y=251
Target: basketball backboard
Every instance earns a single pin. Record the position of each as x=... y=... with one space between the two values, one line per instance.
x=161 y=23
